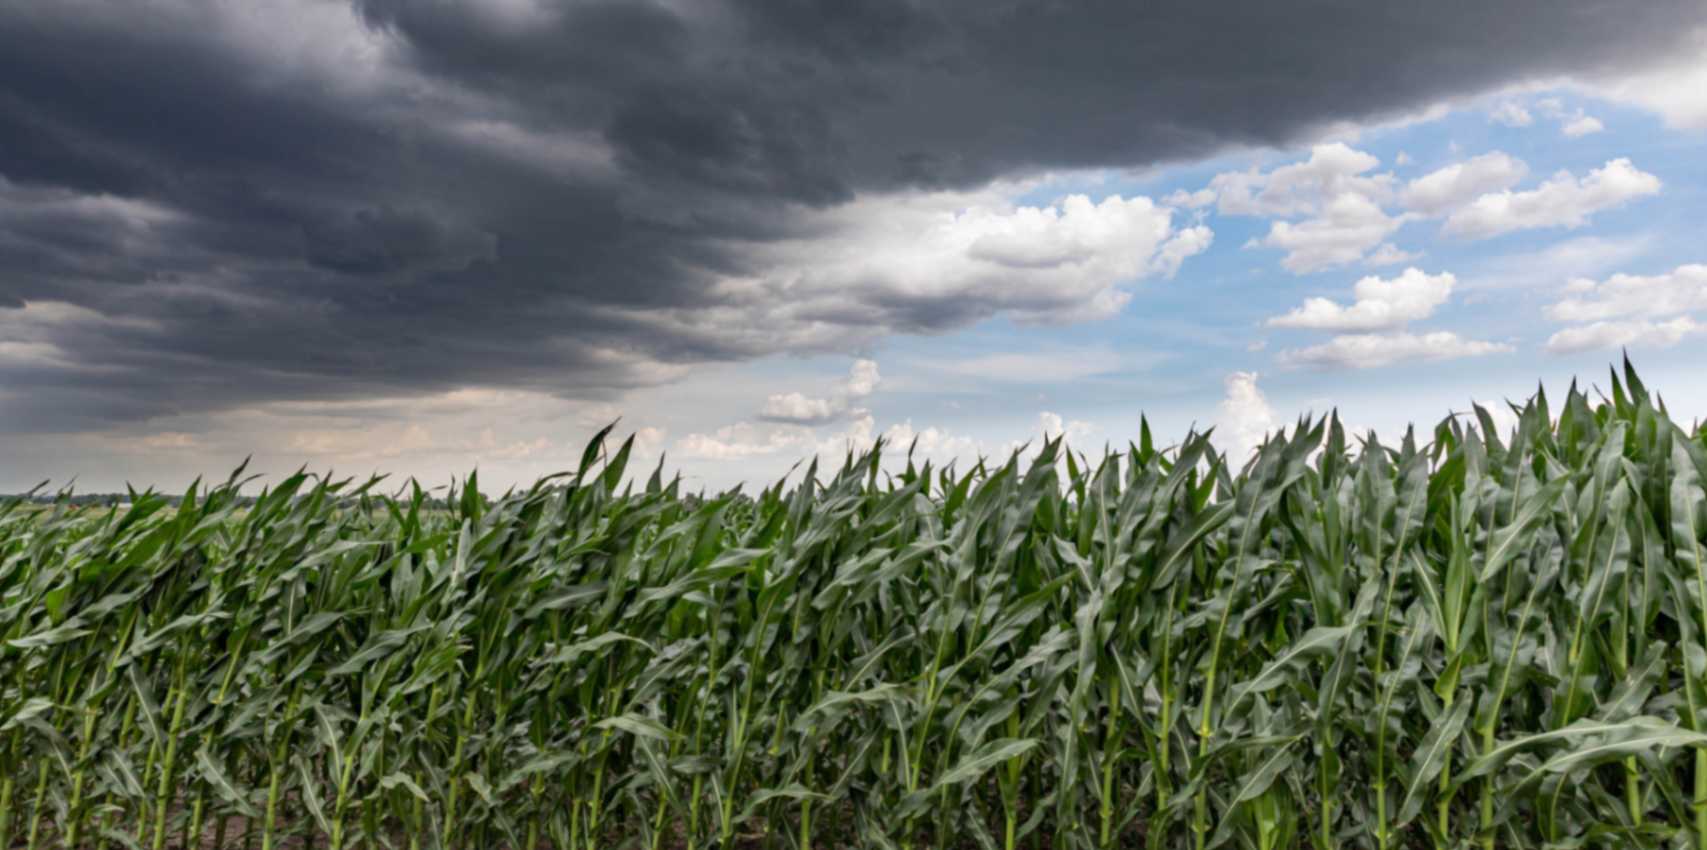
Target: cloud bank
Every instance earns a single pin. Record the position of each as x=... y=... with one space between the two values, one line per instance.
x=334 y=201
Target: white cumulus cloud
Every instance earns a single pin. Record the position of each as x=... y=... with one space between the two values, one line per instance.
x=1581 y=125
x=1628 y=309
x=740 y=441
x=795 y=407
x=931 y=443
x=1339 y=204
x=1054 y=427
x=1301 y=188
x=1445 y=189
x=1380 y=304
x=801 y=409
x=1334 y=210
x=1620 y=334
x=862 y=378
x=1678 y=291
x=1246 y=417
x=1563 y=200
x=1050 y=263
x=1347 y=228
x=840 y=277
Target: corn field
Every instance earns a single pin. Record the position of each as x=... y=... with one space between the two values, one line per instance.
x=1468 y=639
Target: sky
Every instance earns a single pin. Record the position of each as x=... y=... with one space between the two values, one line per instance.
x=422 y=237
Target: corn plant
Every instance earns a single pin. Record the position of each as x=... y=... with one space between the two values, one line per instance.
x=1464 y=638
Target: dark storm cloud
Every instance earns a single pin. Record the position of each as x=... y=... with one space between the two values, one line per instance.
x=498 y=192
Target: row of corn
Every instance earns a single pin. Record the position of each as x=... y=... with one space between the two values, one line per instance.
x=1464 y=639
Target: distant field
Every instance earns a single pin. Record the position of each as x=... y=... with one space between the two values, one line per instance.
x=1461 y=638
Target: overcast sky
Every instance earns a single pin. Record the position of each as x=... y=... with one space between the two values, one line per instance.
x=422 y=237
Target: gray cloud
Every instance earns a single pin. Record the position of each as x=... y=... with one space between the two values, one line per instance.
x=307 y=200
